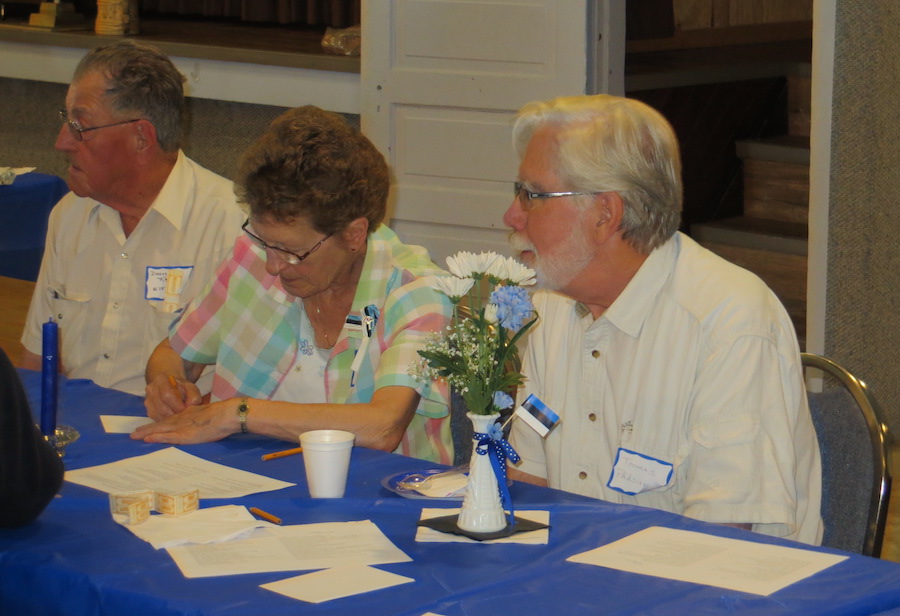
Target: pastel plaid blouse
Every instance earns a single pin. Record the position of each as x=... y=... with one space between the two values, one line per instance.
x=248 y=326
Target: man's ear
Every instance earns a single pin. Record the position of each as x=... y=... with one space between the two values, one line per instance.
x=145 y=135
x=607 y=215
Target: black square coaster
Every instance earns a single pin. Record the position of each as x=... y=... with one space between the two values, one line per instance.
x=447 y=524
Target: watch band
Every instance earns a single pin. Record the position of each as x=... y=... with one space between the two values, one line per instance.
x=242 y=410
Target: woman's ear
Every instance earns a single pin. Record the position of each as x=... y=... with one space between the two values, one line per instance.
x=356 y=233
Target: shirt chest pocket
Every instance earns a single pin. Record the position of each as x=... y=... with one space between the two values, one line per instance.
x=70 y=306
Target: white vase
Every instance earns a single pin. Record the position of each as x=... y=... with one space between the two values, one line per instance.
x=482 y=510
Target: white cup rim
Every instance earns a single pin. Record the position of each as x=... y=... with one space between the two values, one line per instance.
x=327 y=436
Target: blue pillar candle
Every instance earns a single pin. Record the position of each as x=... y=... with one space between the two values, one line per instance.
x=49 y=373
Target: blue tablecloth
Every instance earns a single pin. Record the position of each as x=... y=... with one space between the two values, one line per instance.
x=25 y=205
x=76 y=560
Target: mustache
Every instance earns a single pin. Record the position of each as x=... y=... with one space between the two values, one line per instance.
x=517 y=241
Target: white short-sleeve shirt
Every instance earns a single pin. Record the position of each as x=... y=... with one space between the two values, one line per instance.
x=694 y=371
x=114 y=297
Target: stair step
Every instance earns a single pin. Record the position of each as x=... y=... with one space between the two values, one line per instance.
x=776 y=178
x=777 y=236
x=791 y=149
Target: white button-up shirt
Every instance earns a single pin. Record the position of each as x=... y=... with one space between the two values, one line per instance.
x=114 y=297
x=687 y=395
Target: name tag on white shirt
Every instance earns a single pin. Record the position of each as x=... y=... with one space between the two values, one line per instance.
x=166 y=284
x=634 y=472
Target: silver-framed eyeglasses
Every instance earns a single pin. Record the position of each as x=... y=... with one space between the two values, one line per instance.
x=77 y=130
x=291 y=258
x=526 y=196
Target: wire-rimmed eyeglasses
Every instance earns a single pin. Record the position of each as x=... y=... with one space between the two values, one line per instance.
x=526 y=196
x=291 y=258
x=78 y=131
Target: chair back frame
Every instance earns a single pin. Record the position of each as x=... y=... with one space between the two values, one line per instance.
x=881 y=443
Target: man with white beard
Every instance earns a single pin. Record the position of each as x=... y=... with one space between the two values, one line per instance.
x=675 y=373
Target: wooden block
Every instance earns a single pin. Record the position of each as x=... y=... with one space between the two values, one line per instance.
x=177 y=503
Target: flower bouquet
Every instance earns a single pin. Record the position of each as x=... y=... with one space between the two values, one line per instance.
x=478 y=357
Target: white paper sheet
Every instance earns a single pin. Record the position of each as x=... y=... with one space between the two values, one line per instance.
x=122 y=424
x=211 y=525
x=291 y=548
x=321 y=586
x=534 y=537
x=175 y=470
x=705 y=559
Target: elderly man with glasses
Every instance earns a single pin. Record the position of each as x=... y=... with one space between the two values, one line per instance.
x=318 y=315
x=143 y=228
x=676 y=374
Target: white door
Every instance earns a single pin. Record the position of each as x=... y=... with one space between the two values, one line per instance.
x=441 y=80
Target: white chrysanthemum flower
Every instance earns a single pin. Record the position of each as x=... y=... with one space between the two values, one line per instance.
x=518 y=274
x=497 y=270
x=451 y=286
x=487 y=262
x=463 y=264
x=490 y=313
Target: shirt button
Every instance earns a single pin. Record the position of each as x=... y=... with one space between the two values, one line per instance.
x=124 y=255
x=582 y=475
x=106 y=356
x=595 y=354
x=593 y=416
x=116 y=305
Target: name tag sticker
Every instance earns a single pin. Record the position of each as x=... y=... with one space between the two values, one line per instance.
x=166 y=283
x=634 y=472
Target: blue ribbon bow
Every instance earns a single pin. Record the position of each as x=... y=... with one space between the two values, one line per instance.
x=498 y=449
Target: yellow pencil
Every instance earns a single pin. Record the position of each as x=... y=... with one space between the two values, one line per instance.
x=175 y=386
x=265 y=516
x=282 y=454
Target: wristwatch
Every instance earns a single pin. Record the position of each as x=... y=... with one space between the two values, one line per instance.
x=242 y=411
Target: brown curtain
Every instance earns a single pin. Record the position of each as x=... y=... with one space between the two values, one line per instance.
x=334 y=13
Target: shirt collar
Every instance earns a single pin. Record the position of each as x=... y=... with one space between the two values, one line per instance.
x=170 y=202
x=631 y=308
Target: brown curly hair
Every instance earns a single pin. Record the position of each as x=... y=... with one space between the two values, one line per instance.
x=312 y=164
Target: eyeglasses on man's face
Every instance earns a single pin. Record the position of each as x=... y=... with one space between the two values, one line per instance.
x=527 y=197
x=77 y=130
x=291 y=258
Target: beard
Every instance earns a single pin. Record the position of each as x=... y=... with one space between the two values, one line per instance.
x=556 y=268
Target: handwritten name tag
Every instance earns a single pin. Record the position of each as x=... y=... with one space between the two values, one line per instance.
x=634 y=472
x=166 y=284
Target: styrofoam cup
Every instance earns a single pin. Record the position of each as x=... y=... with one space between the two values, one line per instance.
x=326 y=455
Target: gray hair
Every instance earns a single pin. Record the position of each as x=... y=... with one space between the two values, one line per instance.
x=140 y=80
x=613 y=144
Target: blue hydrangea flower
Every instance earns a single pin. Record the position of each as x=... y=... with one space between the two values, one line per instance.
x=513 y=306
x=502 y=400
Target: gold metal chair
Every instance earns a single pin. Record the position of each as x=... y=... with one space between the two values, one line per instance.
x=854 y=441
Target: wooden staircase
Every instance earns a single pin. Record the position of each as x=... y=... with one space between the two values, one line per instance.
x=770 y=238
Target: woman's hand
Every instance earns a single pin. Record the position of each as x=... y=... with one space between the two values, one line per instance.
x=168 y=395
x=195 y=424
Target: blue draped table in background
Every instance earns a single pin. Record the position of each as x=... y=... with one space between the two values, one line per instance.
x=76 y=560
x=25 y=205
